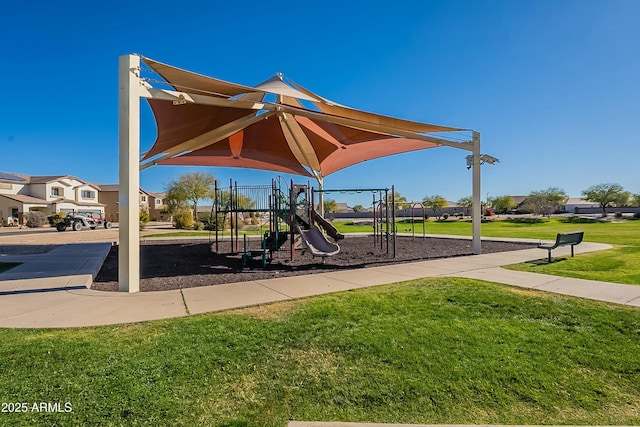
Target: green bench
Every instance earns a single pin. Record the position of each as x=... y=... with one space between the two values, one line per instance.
x=564 y=239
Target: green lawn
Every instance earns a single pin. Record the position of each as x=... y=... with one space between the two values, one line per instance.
x=619 y=265
x=625 y=232
x=4 y=266
x=438 y=350
x=620 y=233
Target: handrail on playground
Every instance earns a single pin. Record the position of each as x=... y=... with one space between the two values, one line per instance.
x=352 y=190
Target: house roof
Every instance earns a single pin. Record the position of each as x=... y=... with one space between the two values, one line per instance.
x=579 y=201
x=116 y=188
x=81 y=204
x=34 y=179
x=13 y=177
x=106 y=187
x=25 y=199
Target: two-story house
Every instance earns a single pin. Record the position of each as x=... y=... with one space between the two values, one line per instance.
x=152 y=203
x=20 y=194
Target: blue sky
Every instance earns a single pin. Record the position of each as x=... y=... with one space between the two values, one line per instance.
x=552 y=86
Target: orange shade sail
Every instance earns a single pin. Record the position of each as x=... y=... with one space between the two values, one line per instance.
x=276 y=125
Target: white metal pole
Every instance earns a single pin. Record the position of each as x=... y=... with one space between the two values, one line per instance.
x=477 y=204
x=129 y=146
x=320 y=208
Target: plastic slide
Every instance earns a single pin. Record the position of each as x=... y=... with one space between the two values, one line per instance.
x=327 y=226
x=316 y=242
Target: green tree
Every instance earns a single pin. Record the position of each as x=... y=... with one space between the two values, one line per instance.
x=606 y=195
x=400 y=201
x=625 y=199
x=503 y=204
x=191 y=187
x=175 y=200
x=466 y=203
x=545 y=202
x=358 y=208
x=435 y=202
x=330 y=205
x=144 y=219
x=634 y=200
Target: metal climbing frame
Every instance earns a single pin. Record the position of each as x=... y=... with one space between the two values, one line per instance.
x=236 y=201
x=384 y=214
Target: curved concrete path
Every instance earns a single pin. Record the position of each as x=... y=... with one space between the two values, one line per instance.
x=51 y=290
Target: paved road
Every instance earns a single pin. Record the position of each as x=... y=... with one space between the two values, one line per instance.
x=49 y=235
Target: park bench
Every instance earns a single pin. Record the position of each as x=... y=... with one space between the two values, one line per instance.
x=564 y=239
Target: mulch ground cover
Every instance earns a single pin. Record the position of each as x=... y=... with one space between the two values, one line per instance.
x=177 y=264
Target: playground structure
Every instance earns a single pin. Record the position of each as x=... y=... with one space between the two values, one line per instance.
x=315 y=138
x=281 y=214
x=383 y=208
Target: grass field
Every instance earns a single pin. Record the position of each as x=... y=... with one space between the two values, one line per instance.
x=435 y=350
x=626 y=232
x=620 y=233
x=618 y=265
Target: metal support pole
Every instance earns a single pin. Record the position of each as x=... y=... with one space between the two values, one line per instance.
x=235 y=211
x=291 y=221
x=129 y=173
x=215 y=210
x=380 y=217
x=386 y=217
x=393 y=219
x=320 y=197
x=231 y=215
x=312 y=200
x=413 y=229
x=477 y=207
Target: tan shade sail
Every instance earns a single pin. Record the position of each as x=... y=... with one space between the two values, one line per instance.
x=276 y=125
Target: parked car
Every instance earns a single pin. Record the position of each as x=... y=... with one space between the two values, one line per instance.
x=82 y=221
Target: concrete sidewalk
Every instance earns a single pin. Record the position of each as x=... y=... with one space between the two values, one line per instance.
x=51 y=290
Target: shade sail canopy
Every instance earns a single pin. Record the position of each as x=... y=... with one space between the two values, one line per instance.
x=276 y=125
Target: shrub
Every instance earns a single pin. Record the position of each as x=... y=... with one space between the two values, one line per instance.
x=618 y=214
x=199 y=226
x=144 y=219
x=636 y=215
x=445 y=216
x=36 y=219
x=56 y=218
x=527 y=220
x=578 y=220
x=183 y=219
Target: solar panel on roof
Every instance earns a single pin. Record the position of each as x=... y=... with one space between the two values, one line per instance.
x=11 y=177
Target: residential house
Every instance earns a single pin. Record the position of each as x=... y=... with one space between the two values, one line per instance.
x=156 y=205
x=21 y=194
x=343 y=207
x=152 y=203
x=574 y=204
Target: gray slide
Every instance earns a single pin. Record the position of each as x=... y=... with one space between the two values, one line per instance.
x=327 y=226
x=316 y=242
